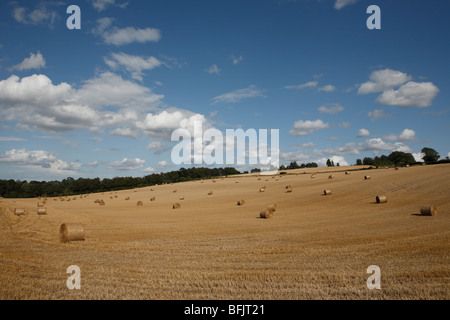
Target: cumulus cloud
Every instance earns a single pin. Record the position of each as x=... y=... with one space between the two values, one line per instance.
x=237 y=60
x=405 y=135
x=135 y=65
x=408 y=94
x=39 y=159
x=331 y=109
x=382 y=80
x=128 y=164
x=411 y=94
x=374 y=144
x=238 y=95
x=213 y=69
x=35 y=61
x=336 y=159
x=363 y=133
x=303 y=128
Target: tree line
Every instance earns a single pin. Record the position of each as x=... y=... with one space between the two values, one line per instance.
x=70 y=186
x=399 y=158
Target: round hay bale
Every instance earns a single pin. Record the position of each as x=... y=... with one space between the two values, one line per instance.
x=210 y=193
x=96 y=200
x=313 y=176
x=396 y=168
x=367 y=177
x=331 y=176
x=241 y=202
x=42 y=211
x=116 y=196
x=140 y=204
x=40 y=204
x=346 y=172
x=266 y=214
x=152 y=199
x=176 y=206
x=381 y=199
x=262 y=189
x=429 y=210
x=127 y=198
x=111 y=197
x=19 y=212
x=71 y=232
x=327 y=192
x=289 y=187
x=237 y=181
x=289 y=190
x=101 y=202
x=272 y=207
x=182 y=198
x=174 y=191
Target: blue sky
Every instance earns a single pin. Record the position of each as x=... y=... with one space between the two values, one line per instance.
x=103 y=101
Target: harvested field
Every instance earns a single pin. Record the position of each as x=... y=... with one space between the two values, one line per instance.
x=314 y=247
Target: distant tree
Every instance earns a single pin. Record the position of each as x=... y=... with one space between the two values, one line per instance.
x=358 y=162
x=367 y=161
x=255 y=170
x=338 y=165
x=430 y=155
x=282 y=167
x=293 y=165
x=400 y=158
x=328 y=163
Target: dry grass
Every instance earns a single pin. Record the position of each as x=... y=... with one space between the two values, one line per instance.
x=314 y=247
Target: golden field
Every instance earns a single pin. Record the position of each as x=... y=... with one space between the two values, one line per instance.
x=314 y=246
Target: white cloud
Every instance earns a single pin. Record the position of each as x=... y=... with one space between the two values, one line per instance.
x=164 y=164
x=37 y=102
x=339 y=4
x=237 y=60
x=345 y=124
x=135 y=65
x=122 y=36
x=39 y=15
x=418 y=156
x=128 y=164
x=310 y=84
x=307 y=145
x=213 y=69
x=39 y=159
x=363 y=133
x=125 y=132
x=332 y=109
x=149 y=169
x=8 y=139
x=411 y=94
x=303 y=128
x=405 y=135
x=382 y=80
x=237 y=95
x=327 y=88
x=377 y=144
x=35 y=61
x=336 y=159
x=161 y=125
x=129 y=35
x=101 y=5
x=378 y=114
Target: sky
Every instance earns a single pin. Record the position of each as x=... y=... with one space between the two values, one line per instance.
x=104 y=100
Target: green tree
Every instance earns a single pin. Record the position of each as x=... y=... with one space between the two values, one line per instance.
x=358 y=162
x=367 y=161
x=400 y=158
x=430 y=155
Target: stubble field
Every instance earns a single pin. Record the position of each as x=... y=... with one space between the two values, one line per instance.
x=314 y=246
